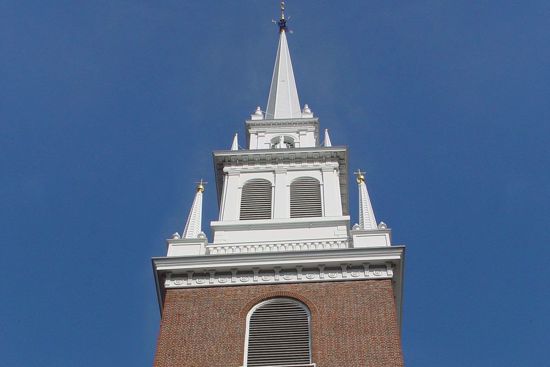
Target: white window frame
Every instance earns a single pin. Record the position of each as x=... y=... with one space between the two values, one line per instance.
x=247 y=335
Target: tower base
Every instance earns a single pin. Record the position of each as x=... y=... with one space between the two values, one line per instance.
x=353 y=323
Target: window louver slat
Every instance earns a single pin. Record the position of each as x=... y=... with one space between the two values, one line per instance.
x=279 y=334
x=256 y=200
x=305 y=198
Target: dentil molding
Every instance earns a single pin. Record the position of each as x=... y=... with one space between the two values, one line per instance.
x=277 y=274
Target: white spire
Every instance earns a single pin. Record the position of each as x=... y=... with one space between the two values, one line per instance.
x=283 y=99
x=366 y=214
x=327 y=139
x=193 y=225
x=235 y=145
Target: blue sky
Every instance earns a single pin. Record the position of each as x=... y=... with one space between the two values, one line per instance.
x=109 y=111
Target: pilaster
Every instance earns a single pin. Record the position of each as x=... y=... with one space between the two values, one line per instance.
x=231 y=196
x=281 y=208
x=331 y=192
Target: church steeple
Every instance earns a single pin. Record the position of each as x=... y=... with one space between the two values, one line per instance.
x=283 y=102
x=280 y=249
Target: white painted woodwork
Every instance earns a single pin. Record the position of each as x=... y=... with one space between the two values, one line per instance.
x=281 y=211
x=366 y=213
x=283 y=99
x=327 y=142
x=186 y=247
x=278 y=334
x=194 y=220
x=235 y=143
x=370 y=238
x=303 y=131
x=331 y=191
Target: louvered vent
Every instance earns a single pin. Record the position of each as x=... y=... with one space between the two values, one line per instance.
x=256 y=200
x=305 y=198
x=278 y=334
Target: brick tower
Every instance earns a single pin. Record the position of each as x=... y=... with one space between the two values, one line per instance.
x=285 y=281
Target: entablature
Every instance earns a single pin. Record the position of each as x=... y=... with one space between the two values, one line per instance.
x=278 y=126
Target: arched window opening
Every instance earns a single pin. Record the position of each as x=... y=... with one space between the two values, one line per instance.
x=282 y=142
x=278 y=334
x=305 y=198
x=256 y=200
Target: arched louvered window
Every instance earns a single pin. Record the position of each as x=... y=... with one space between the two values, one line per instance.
x=279 y=334
x=256 y=200
x=305 y=198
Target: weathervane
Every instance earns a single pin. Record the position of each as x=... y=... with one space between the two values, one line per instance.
x=282 y=21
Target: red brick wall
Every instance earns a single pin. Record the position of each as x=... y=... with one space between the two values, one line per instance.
x=353 y=324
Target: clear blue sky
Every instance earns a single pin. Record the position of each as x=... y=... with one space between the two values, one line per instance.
x=109 y=111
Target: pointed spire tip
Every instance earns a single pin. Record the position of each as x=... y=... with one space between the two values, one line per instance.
x=235 y=143
x=327 y=143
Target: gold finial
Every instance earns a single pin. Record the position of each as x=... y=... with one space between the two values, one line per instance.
x=360 y=176
x=200 y=185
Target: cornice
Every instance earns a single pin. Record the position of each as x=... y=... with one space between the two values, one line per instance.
x=306 y=152
x=312 y=121
x=278 y=258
